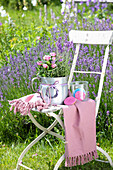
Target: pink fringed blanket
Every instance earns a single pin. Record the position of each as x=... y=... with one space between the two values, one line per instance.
x=80 y=133
x=26 y=103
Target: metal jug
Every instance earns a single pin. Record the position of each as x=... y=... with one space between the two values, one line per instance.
x=54 y=90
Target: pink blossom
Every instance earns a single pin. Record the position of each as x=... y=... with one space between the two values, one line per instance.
x=53 y=54
x=53 y=58
x=47 y=57
x=39 y=63
x=34 y=154
x=38 y=38
x=53 y=65
x=45 y=65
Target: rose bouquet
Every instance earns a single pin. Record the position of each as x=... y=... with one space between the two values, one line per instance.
x=53 y=65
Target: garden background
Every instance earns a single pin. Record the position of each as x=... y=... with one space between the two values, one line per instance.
x=28 y=30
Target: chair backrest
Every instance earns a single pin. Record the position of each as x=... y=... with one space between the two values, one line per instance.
x=102 y=1
x=91 y=37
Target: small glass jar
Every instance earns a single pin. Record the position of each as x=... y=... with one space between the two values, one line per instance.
x=79 y=90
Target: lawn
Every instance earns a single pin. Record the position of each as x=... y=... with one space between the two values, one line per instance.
x=43 y=156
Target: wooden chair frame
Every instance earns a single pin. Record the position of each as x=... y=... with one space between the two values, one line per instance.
x=94 y=38
x=91 y=37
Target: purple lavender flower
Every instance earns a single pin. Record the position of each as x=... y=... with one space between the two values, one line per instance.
x=79 y=10
x=26 y=38
x=60 y=60
x=105 y=104
x=94 y=1
x=107 y=112
x=87 y=3
x=0 y=105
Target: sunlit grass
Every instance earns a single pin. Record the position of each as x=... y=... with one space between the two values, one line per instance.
x=42 y=156
x=31 y=15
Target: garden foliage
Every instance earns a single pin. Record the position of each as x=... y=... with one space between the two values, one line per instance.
x=20 y=67
x=19 y=4
x=55 y=64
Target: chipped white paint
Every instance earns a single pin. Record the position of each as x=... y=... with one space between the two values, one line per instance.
x=91 y=37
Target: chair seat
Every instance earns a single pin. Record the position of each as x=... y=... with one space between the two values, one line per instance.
x=51 y=109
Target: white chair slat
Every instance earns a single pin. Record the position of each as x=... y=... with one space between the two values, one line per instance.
x=91 y=37
x=102 y=1
x=89 y=72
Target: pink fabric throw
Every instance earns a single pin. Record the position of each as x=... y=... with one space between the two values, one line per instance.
x=26 y=103
x=80 y=133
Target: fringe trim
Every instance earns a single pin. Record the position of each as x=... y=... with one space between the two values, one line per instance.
x=81 y=159
x=24 y=108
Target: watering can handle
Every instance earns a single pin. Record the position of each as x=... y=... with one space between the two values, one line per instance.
x=41 y=94
x=32 y=81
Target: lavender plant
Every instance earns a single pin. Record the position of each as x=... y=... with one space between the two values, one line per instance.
x=55 y=64
x=16 y=82
x=17 y=72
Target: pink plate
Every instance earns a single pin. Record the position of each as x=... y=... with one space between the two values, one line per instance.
x=80 y=95
x=70 y=100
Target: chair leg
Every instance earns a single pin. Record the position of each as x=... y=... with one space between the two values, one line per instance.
x=107 y=156
x=27 y=148
x=98 y=148
x=59 y=162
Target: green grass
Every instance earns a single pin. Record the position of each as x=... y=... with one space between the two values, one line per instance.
x=25 y=30
x=47 y=156
x=31 y=15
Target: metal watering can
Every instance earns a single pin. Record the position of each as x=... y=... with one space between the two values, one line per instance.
x=53 y=90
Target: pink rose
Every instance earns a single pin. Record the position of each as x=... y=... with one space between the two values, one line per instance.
x=53 y=58
x=47 y=57
x=38 y=38
x=53 y=54
x=53 y=65
x=45 y=65
x=39 y=63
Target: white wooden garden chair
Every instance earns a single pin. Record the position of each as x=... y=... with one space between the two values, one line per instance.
x=94 y=38
x=102 y=1
x=78 y=37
